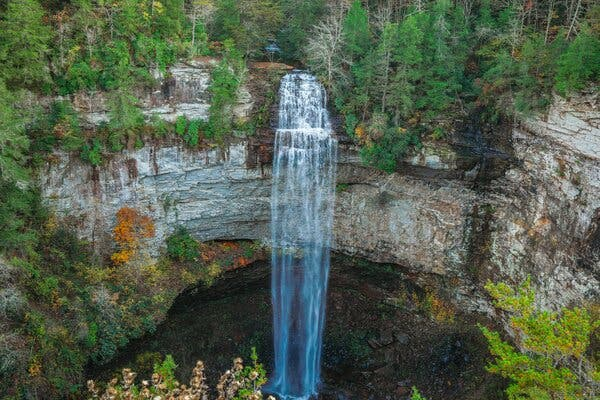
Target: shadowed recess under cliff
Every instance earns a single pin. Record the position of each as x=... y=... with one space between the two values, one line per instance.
x=302 y=216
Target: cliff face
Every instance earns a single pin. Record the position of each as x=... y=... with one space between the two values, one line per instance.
x=540 y=218
x=545 y=212
x=211 y=193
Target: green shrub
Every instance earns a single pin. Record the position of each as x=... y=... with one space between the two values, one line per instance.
x=192 y=136
x=226 y=79
x=180 y=125
x=79 y=76
x=64 y=123
x=389 y=150
x=416 y=395
x=579 y=64
x=549 y=359
x=92 y=153
x=182 y=246
x=160 y=127
x=126 y=119
x=47 y=287
x=21 y=213
x=166 y=370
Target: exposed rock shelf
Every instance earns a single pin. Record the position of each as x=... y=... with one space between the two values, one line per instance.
x=540 y=218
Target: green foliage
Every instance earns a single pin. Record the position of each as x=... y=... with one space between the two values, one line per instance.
x=253 y=375
x=550 y=357
x=24 y=45
x=226 y=79
x=416 y=395
x=192 y=136
x=389 y=150
x=21 y=213
x=180 y=125
x=92 y=153
x=182 y=246
x=79 y=76
x=357 y=31
x=125 y=118
x=64 y=122
x=13 y=141
x=166 y=370
x=248 y=23
x=299 y=15
x=579 y=64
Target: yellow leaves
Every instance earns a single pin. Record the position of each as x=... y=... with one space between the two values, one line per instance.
x=131 y=228
x=35 y=367
x=549 y=356
x=359 y=131
x=158 y=7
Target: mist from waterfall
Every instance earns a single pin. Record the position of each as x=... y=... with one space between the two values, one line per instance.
x=302 y=203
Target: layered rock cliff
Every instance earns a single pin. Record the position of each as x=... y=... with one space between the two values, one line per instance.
x=541 y=217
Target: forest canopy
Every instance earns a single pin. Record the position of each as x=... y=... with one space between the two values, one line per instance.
x=397 y=71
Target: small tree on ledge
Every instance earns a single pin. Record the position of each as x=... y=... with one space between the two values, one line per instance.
x=131 y=229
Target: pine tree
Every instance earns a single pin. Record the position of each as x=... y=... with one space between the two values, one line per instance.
x=24 y=44
x=408 y=57
x=357 y=33
x=13 y=141
x=440 y=81
x=299 y=16
x=579 y=64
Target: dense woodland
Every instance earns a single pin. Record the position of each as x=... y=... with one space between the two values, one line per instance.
x=398 y=73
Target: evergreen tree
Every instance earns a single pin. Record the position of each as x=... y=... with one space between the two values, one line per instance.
x=409 y=60
x=357 y=33
x=579 y=64
x=441 y=81
x=384 y=57
x=299 y=15
x=13 y=141
x=24 y=44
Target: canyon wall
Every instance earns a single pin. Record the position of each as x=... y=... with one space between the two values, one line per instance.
x=540 y=218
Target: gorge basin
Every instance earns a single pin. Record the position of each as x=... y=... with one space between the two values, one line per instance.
x=380 y=337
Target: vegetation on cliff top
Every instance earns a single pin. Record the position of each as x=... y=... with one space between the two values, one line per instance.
x=398 y=72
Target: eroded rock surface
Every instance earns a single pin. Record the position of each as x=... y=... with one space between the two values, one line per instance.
x=540 y=218
x=543 y=213
x=210 y=192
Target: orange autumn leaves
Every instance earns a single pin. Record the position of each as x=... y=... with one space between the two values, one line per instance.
x=210 y=252
x=132 y=227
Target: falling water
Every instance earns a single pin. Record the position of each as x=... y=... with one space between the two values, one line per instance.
x=301 y=220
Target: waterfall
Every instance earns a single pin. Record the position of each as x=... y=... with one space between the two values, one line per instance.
x=301 y=222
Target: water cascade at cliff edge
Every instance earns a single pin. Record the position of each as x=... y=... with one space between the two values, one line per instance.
x=301 y=224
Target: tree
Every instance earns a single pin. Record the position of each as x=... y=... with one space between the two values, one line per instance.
x=300 y=16
x=383 y=61
x=250 y=23
x=24 y=44
x=357 y=33
x=131 y=228
x=324 y=49
x=13 y=140
x=226 y=79
x=200 y=13
x=408 y=58
x=441 y=78
x=549 y=358
x=125 y=117
x=260 y=21
x=579 y=64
